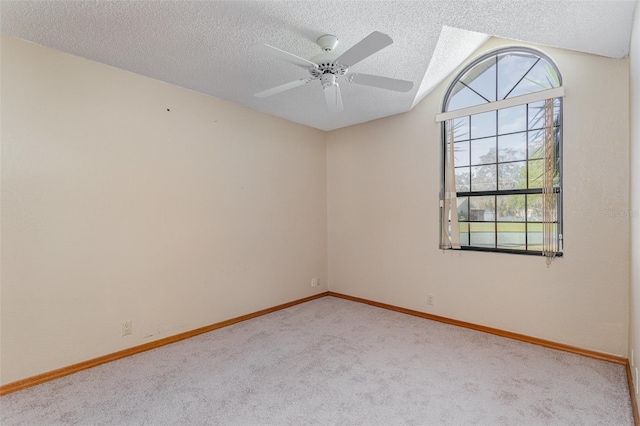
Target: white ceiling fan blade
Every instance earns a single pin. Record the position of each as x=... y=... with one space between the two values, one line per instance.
x=333 y=97
x=285 y=56
x=381 y=82
x=365 y=48
x=282 y=88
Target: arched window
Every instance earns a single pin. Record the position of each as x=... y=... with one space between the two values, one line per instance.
x=502 y=155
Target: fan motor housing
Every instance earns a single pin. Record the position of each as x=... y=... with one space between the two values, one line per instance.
x=326 y=65
x=326 y=61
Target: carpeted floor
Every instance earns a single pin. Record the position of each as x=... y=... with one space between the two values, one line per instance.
x=335 y=362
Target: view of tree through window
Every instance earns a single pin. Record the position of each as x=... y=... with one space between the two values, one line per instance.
x=499 y=155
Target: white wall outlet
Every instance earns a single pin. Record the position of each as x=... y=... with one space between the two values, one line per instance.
x=315 y=282
x=127 y=328
x=429 y=299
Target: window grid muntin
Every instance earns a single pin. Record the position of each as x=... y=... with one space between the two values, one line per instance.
x=495 y=139
x=528 y=179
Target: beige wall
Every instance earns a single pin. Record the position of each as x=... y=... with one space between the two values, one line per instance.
x=115 y=209
x=383 y=186
x=634 y=329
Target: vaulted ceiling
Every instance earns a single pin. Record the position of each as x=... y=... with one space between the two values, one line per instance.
x=206 y=45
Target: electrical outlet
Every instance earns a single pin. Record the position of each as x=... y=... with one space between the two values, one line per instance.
x=315 y=282
x=127 y=328
x=430 y=299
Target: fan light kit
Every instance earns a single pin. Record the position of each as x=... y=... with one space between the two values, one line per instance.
x=328 y=68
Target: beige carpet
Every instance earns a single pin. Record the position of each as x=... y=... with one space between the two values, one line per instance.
x=335 y=362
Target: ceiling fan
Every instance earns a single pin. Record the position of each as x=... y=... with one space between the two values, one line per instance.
x=329 y=68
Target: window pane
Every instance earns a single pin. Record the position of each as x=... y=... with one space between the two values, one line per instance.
x=512 y=175
x=482 y=234
x=536 y=115
x=483 y=178
x=544 y=76
x=511 y=208
x=464 y=234
x=482 y=79
x=483 y=151
x=461 y=129
x=463 y=183
x=461 y=153
x=512 y=119
x=512 y=147
x=554 y=211
x=536 y=152
x=482 y=208
x=511 y=67
x=463 y=97
x=536 y=144
x=556 y=110
x=483 y=125
x=512 y=236
x=534 y=207
x=463 y=208
x=541 y=77
x=536 y=172
x=534 y=236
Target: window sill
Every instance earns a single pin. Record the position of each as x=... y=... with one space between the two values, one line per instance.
x=507 y=251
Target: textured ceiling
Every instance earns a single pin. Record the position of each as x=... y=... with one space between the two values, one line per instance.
x=205 y=45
